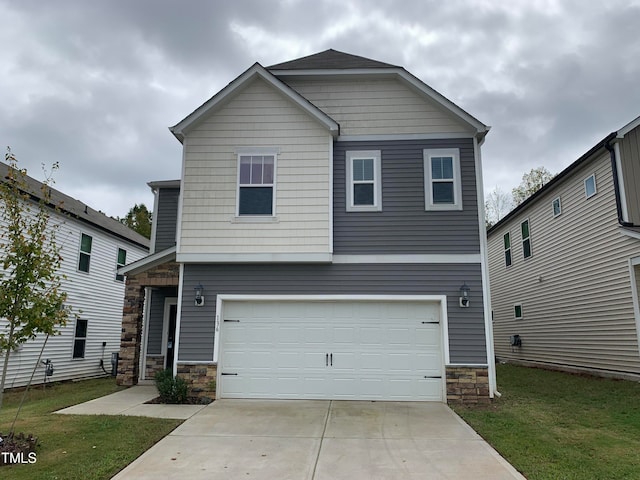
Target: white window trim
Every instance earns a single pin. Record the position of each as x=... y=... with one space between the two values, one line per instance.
x=377 y=180
x=256 y=151
x=525 y=239
x=521 y=311
x=553 y=210
x=595 y=186
x=457 y=179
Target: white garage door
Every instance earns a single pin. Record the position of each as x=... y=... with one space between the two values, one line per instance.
x=366 y=350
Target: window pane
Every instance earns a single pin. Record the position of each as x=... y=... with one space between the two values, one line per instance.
x=556 y=207
x=83 y=264
x=507 y=257
x=367 y=169
x=526 y=248
x=78 y=348
x=507 y=241
x=363 y=194
x=267 y=172
x=441 y=168
x=256 y=170
x=358 y=170
x=122 y=256
x=81 y=328
x=245 y=170
x=525 y=229
x=518 y=311
x=443 y=192
x=256 y=201
x=590 y=186
x=85 y=243
x=436 y=168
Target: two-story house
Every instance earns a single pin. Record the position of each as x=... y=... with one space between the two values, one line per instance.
x=326 y=241
x=565 y=266
x=92 y=246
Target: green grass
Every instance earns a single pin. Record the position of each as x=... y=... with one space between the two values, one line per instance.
x=77 y=446
x=552 y=425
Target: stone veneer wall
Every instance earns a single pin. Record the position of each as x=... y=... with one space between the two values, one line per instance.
x=165 y=275
x=153 y=365
x=201 y=378
x=468 y=385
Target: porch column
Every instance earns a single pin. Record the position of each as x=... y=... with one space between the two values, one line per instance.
x=132 y=311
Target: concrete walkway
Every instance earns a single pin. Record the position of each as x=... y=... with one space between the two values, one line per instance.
x=131 y=402
x=321 y=440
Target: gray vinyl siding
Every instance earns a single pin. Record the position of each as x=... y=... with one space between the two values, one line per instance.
x=575 y=290
x=466 y=326
x=156 y=318
x=403 y=226
x=630 y=159
x=166 y=218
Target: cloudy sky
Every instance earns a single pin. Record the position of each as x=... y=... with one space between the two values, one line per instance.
x=94 y=85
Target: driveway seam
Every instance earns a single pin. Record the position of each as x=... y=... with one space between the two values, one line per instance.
x=326 y=422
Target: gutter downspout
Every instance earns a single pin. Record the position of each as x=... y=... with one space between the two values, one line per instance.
x=616 y=185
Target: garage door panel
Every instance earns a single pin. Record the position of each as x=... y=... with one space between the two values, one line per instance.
x=380 y=350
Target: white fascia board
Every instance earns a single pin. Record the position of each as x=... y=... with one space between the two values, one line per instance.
x=253 y=72
x=148 y=262
x=254 y=257
x=480 y=128
x=628 y=127
x=463 y=258
x=630 y=233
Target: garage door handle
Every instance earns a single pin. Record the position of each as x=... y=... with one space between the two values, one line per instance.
x=331 y=359
x=326 y=360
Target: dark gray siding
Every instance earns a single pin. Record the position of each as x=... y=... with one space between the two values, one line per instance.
x=156 y=317
x=466 y=326
x=403 y=226
x=166 y=218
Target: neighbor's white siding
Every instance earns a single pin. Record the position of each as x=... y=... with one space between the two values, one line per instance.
x=95 y=296
x=258 y=116
x=575 y=290
x=377 y=107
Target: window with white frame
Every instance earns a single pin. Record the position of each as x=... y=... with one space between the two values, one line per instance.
x=556 y=206
x=526 y=239
x=121 y=261
x=80 y=338
x=590 y=188
x=84 y=260
x=256 y=185
x=517 y=311
x=363 y=181
x=442 y=182
x=507 y=249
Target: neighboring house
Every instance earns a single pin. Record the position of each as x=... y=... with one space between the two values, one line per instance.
x=565 y=266
x=93 y=246
x=330 y=210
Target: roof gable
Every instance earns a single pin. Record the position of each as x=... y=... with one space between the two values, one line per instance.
x=330 y=59
x=256 y=71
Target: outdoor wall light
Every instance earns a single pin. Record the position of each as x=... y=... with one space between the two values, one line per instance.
x=199 y=296
x=464 y=295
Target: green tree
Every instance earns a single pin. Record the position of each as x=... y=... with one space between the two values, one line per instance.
x=531 y=183
x=139 y=220
x=31 y=298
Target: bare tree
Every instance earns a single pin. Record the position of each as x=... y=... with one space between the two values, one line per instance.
x=531 y=183
x=497 y=204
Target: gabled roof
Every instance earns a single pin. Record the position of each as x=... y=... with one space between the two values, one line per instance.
x=330 y=59
x=79 y=210
x=255 y=71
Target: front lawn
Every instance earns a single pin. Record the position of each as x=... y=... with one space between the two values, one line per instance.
x=77 y=446
x=552 y=425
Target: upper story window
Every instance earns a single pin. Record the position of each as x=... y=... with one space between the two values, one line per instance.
x=526 y=239
x=590 y=188
x=364 y=181
x=85 y=252
x=507 y=249
x=442 y=183
x=256 y=184
x=556 y=205
x=121 y=261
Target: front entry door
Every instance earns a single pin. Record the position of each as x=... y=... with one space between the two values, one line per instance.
x=171 y=336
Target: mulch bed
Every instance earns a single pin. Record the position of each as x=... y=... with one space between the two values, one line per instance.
x=19 y=443
x=190 y=401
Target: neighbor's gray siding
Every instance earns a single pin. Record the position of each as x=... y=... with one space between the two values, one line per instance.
x=166 y=218
x=630 y=159
x=403 y=226
x=466 y=326
x=156 y=318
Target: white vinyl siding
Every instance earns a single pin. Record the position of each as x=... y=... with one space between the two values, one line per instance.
x=576 y=288
x=95 y=297
x=257 y=116
x=377 y=107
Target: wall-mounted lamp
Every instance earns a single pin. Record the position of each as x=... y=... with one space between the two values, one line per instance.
x=199 y=295
x=464 y=295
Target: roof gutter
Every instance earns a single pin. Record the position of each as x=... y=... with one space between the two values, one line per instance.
x=616 y=185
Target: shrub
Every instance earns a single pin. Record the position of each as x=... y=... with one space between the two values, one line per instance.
x=171 y=389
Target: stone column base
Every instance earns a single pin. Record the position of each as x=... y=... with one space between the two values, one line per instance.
x=153 y=365
x=201 y=379
x=468 y=385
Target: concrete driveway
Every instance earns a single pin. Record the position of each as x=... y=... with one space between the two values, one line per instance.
x=321 y=440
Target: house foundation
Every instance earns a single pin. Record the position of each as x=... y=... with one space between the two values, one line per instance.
x=468 y=385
